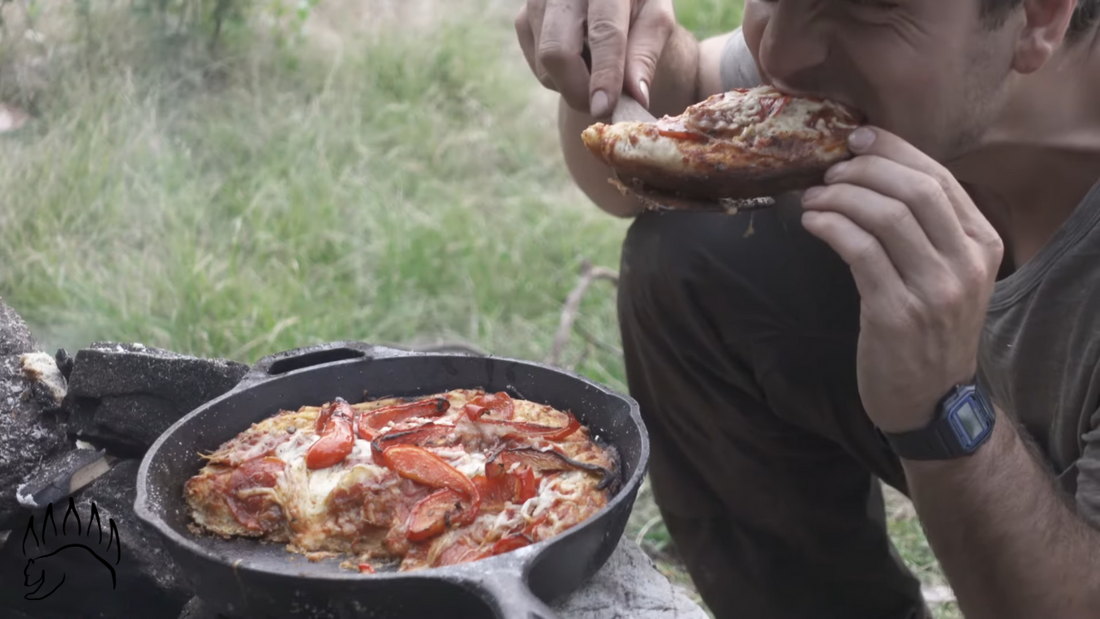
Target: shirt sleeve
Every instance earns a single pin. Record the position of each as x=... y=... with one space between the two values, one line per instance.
x=737 y=67
x=1088 y=476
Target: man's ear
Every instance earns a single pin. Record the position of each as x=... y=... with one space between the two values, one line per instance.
x=1043 y=30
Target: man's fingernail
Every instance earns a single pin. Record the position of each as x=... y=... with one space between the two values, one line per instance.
x=644 y=87
x=861 y=139
x=600 y=104
x=812 y=194
x=833 y=172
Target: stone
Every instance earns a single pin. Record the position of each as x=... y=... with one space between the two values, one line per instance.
x=126 y=424
x=29 y=435
x=147 y=582
x=60 y=477
x=42 y=371
x=112 y=369
x=15 y=337
x=628 y=586
x=123 y=396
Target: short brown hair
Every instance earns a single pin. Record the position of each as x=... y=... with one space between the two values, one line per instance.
x=1085 y=14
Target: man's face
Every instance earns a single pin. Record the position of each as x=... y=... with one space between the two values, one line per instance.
x=929 y=70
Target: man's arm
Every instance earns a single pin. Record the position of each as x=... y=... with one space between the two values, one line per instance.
x=1006 y=538
x=688 y=71
x=925 y=259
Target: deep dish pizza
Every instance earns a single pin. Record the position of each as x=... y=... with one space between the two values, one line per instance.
x=741 y=144
x=451 y=478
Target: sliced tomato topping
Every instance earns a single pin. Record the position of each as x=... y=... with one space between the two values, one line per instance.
x=427 y=434
x=494 y=468
x=507 y=544
x=370 y=422
x=521 y=429
x=550 y=460
x=529 y=530
x=339 y=406
x=683 y=135
x=527 y=486
x=553 y=460
x=423 y=466
x=438 y=512
x=456 y=553
x=497 y=405
x=255 y=510
x=510 y=543
x=365 y=568
x=336 y=442
x=495 y=492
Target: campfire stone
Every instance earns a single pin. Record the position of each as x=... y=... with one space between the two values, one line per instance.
x=60 y=477
x=123 y=396
x=29 y=434
x=127 y=424
x=148 y=582
x=628 y=586
x=41 y=370
x=15 y=337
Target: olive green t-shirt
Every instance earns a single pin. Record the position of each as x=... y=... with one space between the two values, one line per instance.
x=1040 y=352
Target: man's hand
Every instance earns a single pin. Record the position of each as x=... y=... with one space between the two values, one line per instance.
x=625 y=37
x=924 y=259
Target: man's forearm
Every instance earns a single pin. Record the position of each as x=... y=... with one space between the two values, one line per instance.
x=675 y=86
x=1008 y=542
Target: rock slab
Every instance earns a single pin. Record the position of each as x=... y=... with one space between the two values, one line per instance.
x=147 y=582
x=123 y=396
x=628 y=586
x=15 y=337
x=29 y=433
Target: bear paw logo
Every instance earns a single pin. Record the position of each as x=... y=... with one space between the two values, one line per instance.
x=51 y=554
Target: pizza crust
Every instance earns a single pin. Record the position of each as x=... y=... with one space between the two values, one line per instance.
x=741 y=144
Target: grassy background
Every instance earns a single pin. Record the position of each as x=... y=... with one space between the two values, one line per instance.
x=368 y=182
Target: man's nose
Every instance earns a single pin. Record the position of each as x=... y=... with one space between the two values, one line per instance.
x=794 y=48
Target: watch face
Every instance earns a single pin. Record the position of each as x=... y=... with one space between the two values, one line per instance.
x=969 y=419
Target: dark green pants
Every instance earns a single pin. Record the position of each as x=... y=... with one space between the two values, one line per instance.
x=740 y=347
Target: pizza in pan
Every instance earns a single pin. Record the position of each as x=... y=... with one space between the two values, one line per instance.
x=406 y=484
x=742 y=144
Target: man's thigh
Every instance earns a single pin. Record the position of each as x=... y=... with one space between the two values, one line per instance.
x=740 y=336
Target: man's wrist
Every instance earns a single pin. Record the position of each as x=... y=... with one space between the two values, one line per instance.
x=1000 y=441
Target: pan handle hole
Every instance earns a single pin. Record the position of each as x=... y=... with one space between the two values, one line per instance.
x=310 y=359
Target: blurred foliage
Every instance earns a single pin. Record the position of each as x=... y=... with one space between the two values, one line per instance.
x=707 y=18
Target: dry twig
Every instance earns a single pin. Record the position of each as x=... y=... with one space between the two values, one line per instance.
x=572 y=306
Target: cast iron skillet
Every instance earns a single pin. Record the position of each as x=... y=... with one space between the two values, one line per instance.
x=246 y=578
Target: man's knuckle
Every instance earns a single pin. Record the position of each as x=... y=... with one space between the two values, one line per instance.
x=892 y=216
x=551 y=50
x=664 y=20
x=926 y=190
x=604 y=32
x=867 y=253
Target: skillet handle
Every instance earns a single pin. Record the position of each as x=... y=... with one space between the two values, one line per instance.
x=312 y=356
x=512 y=598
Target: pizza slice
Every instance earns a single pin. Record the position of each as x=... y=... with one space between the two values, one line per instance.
x=738 y=145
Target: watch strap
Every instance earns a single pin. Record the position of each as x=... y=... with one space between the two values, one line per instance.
x=963 y=422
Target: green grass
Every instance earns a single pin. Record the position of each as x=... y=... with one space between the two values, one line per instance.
x=408 y=189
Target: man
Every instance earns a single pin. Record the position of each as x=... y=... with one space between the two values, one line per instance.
x=787 y=359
